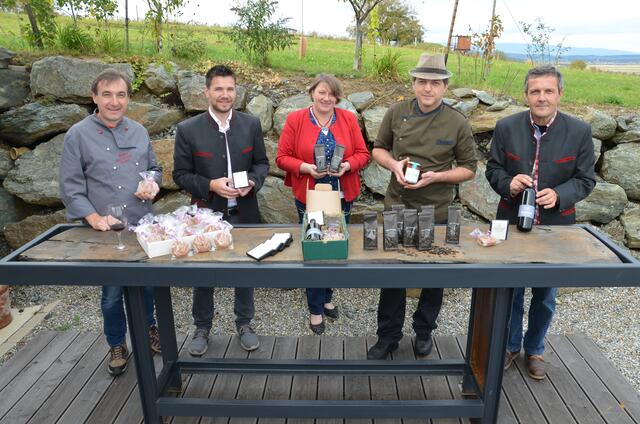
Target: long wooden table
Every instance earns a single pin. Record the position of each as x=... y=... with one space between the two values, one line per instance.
x=548 y=256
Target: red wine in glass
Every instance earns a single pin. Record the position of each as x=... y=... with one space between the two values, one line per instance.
x=117 y=222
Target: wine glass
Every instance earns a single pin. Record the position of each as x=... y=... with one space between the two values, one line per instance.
x=117 y=221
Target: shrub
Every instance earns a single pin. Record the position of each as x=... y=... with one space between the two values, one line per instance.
x=385 y=67
x=186 y=46
x=71 y=37
x=613 y=100
x=108 y=42
x=578 y=64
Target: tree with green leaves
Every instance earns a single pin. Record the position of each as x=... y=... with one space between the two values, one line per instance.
x=255 y=34
x=539 y=45
x=41 y=30
x=159 y=12
x=361 y=9
x=395 y=21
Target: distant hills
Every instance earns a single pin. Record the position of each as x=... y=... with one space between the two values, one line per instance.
x=518 y=51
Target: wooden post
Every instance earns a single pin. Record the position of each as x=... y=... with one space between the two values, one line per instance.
x=453 y=21
x=126 y=25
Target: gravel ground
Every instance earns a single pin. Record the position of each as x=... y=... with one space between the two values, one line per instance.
x=602 y=314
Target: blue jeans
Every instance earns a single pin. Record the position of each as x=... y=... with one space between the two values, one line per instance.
x=316 y=298
x=115 y=321
x=543 y=305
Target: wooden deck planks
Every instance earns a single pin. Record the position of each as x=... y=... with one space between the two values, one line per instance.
x=61 y=377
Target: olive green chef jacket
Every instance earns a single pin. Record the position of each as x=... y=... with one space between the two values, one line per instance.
x=435 y=140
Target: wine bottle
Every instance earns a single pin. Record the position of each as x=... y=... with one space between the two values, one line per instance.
x=527 y=210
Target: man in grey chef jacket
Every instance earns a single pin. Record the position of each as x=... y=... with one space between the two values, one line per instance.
x=102 y=158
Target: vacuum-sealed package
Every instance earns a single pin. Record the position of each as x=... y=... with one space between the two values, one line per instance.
x=410 y=228
x=370 y=231
x=390 y=230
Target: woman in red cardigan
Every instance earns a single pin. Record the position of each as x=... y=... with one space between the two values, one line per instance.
x=322 y=123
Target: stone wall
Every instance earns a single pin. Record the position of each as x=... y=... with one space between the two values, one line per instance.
x=39 y=105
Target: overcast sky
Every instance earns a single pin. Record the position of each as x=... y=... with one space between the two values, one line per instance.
x=614 y=24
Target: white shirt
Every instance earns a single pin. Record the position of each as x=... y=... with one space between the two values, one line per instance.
x=231 y=203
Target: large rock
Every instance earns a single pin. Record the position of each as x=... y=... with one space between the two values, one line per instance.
x=191 y=88
x=163 y=149
x=155 y=119
x=271 y=147
x=19 y=233
x=241 y=97
x=603 y=126
x=603 y=205
x=69 y=79
x=467 y=107
x=277 y=204
x=621 y=165
x=34 y=178
x=478 y=196
x=615 y=231
x=360 y=206
x=171 y=202
x=372 y=120
x=485 y=97
x=632 y=135
x=13 y=209
x=14 y=89
x=631 y=221
x=376 y=178
x=160 y=78
x=5 y=57
x=5 y=162
x=597 y=148
x=262 y=108
x=34 y=122
x=486 y=121
x=498 y=106
x=463 y=92
x=347 y=105
x=361 y=100
x=288 y=105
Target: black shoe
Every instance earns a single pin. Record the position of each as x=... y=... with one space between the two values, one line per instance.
x=381 y=349
x=317 y=328
x=332 y=313
x=423 y=345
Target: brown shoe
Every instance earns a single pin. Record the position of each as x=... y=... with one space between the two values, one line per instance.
x=118 y=360
x=509 y=358
x=535 y=367
x=154 y=339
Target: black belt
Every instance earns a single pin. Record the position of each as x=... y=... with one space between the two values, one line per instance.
x=233 y=211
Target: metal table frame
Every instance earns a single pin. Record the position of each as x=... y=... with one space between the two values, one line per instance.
x=481 y=369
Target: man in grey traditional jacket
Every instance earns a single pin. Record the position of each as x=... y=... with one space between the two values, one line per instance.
x=101 y=160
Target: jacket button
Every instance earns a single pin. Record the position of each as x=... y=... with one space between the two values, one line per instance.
x=137 y=163
x=119 y=187
x=108 y=148
x=115 y=167
x=224 y=156
x=142 y=200
x=124 y=206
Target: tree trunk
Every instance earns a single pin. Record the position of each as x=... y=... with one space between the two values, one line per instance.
x=357 y=57
x=37 y=36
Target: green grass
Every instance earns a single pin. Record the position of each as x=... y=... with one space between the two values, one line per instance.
x=336 y=56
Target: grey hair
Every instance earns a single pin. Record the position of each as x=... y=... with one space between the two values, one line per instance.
x=541 y=71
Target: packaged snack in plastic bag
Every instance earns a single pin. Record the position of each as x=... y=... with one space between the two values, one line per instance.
x=148 y=184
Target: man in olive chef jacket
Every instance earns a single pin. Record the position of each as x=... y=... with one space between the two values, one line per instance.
x=551 y=152
x=209 y=148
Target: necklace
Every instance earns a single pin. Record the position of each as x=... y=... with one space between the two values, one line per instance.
x=323 y=127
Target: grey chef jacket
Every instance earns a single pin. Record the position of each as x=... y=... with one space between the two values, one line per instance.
x=100 y=166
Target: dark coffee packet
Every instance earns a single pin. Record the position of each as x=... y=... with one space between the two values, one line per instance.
x=390 y=230
x=370 y=231
x=320 y=158
x=410 y=228
x=336 y=159
x=425 y=229
x=431 y=210
x=399 y=209
x=453 y=225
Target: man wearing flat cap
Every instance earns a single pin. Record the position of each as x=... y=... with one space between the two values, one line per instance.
x=424 y=130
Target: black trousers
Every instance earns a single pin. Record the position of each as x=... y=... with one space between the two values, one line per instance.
x=391 y=311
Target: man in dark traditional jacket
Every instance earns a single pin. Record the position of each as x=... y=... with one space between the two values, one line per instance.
x=209 y=148
x=551 y=152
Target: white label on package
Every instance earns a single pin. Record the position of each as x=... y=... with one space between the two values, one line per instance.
x=499 y=228
x=527 y=211
x=317 y=215
x=412 y=175
x=240 y=179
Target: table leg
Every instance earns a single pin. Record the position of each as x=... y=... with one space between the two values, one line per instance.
x=167 y=330
x=145 y=371
x=495 y=363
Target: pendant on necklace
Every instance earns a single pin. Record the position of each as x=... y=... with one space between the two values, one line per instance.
x=324 y=130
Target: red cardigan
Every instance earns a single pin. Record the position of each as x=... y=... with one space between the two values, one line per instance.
x=296 y=146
